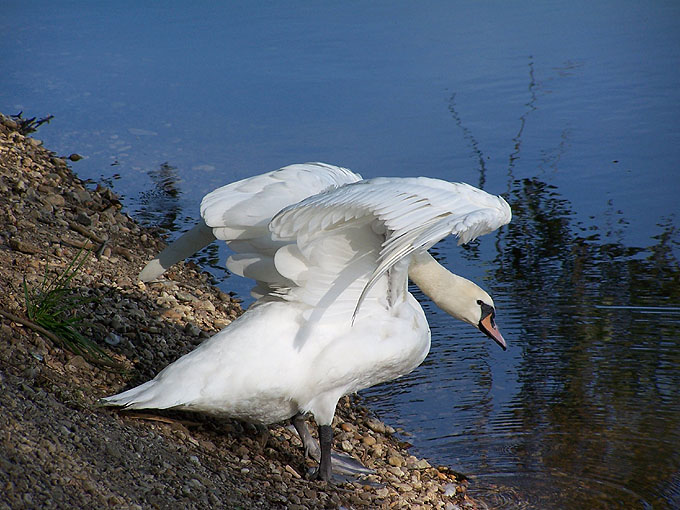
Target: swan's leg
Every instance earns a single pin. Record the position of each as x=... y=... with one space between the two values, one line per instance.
x=325 y=472
x=308 y=442
x=341 y=462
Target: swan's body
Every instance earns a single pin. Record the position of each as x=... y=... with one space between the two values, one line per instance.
x=332 y=255
x=253 y=369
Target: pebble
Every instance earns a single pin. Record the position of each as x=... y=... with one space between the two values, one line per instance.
x=113 y=339
x=368 y=440
x=395 y=460
x=118 y=324
x=83 y=219
x=376 y=426
x=55 y=200
x=220 y=324
x=450 y=489
x=422 y=464
x=23 y=246
x=192 y=329
x=185 y=296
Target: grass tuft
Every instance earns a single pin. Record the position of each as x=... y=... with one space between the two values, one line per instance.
x=53 y=305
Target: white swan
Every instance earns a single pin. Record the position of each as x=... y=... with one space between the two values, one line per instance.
x=331 y=254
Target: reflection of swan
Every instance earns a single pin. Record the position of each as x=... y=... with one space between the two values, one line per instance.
x=334 y=314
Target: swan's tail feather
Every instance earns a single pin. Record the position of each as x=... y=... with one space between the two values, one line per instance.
x=188 y=243
x=139 y=397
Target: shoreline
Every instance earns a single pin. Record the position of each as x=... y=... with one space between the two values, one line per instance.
x=60 y=449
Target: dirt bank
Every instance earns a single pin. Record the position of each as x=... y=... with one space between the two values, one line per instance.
x=58 y=449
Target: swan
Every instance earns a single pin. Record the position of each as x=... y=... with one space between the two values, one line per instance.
x=331 y=254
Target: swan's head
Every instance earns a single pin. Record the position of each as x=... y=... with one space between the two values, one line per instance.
x=474 y=306
x=456 y=295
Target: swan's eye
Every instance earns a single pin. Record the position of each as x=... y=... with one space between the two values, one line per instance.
x=487 y=310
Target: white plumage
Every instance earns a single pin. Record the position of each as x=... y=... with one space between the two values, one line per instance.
x=331 y=255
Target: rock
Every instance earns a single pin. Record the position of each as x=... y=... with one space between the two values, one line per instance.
x=395 y=460
x=220 y=324
x=450 y=489
x=192 y=329
x=346 y=446
x=383 y=492
x=78 y=362
x=206 y=305
x=113 y=339
x=55 y=200
x=10 y=123
x=82 y=196
x=118 y=324
x=23 y=246
x=368 y=440
x=58 y=162
x=185 y=296
x=396 y=471
x=83 y=219
x=422 y=464
x=376 y=426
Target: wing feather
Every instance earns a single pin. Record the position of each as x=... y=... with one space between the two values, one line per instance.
x=413 y=213
x=240 y=212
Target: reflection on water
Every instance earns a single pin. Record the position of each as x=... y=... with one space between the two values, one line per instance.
x=599 y=376
x=159 y=206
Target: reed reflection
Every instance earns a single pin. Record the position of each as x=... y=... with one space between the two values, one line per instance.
x=601 y=345
x=597 y=411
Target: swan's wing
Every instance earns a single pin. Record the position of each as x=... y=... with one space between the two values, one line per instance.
x=372 y=226
x=243 y=209
x=184 y=246
x=239 y=214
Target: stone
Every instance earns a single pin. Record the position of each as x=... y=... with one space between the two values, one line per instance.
x=376 y=426
x=55 y=200
x=192 y=329
x=368 y=440
x=395 y=460
x=83 y=219
x=23 y=246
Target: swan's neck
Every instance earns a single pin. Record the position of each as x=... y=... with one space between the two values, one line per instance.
x=452 y=293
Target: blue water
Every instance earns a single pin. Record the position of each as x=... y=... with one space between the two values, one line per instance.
x=570 y=109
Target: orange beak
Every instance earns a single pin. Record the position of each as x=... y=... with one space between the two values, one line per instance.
x=488 y=326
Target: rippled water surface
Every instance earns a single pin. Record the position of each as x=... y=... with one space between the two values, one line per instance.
x=569 y=109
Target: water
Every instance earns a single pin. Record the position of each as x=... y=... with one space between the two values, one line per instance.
x=571 y=110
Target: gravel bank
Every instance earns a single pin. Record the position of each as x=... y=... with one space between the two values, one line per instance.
x=58 y=449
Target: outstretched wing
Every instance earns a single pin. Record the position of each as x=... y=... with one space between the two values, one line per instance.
x=243 y=209
x=240 y=212
x=350 y=239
